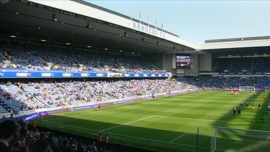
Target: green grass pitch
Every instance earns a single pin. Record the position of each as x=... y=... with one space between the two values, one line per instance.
x=168 y=124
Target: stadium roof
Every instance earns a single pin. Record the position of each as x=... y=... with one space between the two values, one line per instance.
x=25 y=19
x=234 y=43
x=238 y=39
x=79 y=23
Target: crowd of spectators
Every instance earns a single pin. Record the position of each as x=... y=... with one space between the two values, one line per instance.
x=250 y=65
x=24 y=137
x=23 y=96
x=35 y=58
x=226 y=83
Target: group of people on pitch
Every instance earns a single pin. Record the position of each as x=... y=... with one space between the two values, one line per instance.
x=238 y=110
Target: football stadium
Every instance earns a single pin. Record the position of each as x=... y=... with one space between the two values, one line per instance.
x=77 y=77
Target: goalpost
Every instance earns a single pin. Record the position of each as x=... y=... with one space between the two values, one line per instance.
x=229 y=139
x=247 y=89
x=267 y=89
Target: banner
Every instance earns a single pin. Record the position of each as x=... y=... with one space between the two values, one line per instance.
x=52 y=74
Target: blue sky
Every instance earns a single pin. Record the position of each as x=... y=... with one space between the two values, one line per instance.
x=199 y=20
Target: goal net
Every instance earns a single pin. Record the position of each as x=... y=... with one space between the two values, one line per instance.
x=228 y=139
x=267 y=89
x=247 y=88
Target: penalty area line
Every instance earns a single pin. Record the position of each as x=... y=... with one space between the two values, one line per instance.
x=177 y=137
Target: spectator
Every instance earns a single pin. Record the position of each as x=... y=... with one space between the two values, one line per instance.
x=106 y=142
x=16 y=146
x=43 y=146
x=11 y=113
x=8 y=131
x=24 y=149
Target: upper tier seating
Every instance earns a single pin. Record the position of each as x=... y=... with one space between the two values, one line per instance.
x=251 y=65
x=36 y=58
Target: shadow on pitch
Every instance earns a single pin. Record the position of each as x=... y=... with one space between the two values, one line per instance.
x=125 y=134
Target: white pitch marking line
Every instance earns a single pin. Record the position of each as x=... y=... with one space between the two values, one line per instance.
x=177 y=138
x=152 y=140
x=126 y=123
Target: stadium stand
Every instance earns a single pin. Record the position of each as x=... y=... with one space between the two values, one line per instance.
x=250 y=65
x=35 y=58
x=226 y=83
x=23 y=96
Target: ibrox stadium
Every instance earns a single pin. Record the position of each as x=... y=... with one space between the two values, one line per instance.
x=81 y=78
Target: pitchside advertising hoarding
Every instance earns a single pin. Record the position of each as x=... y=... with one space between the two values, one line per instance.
x=11 y=74
x=50 y=112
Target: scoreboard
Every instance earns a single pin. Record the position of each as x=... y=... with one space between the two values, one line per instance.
x=183 y=60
